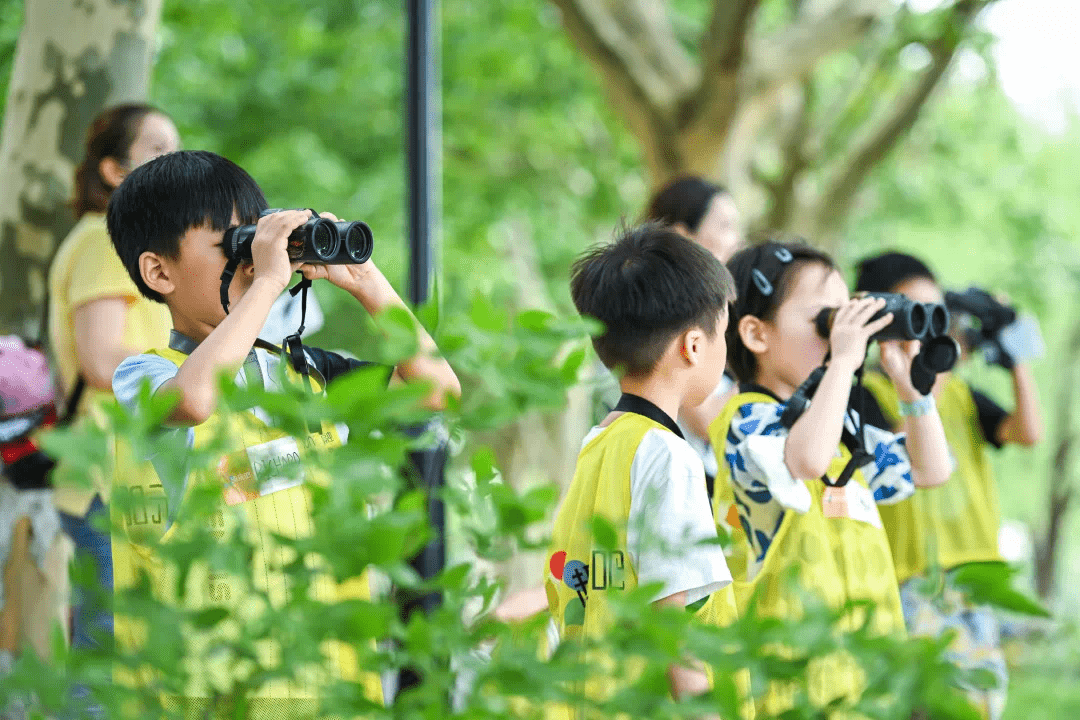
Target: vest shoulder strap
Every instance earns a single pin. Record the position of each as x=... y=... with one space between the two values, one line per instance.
x=718 y=432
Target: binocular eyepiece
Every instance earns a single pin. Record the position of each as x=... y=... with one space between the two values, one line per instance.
x=318 y=241
x=911 y=320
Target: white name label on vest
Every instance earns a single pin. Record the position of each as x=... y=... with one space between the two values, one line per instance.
x=276 y=465
x=851 y=501
x=261 y=469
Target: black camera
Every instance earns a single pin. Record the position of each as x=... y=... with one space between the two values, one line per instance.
x=984 y=307
x=911 y=320
x=318 y=241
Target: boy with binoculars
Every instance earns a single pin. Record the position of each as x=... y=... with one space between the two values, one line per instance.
x=956 y=525
x=180 y=223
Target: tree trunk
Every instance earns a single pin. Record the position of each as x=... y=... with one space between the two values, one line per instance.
x=714 y=117
x=1061 y=473
x=73 y=59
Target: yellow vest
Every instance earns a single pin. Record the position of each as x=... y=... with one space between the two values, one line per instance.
x=838 y=559
x=954 y=523
x=285 y=512
x=580 y=576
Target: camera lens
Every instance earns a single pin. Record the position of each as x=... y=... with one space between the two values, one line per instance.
x=358 y=242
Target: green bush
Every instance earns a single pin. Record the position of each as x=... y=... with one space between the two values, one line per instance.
x=471 y=665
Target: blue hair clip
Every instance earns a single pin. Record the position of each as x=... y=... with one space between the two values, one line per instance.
x=760 y=281
x=763 y=284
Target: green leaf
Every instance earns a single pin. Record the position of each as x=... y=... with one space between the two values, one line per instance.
x=604 y=533
x=208 y=618
x=990 y=583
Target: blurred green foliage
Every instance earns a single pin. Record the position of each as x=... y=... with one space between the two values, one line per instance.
x=472 y=665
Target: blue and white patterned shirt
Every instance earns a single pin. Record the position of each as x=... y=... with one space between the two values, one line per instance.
x=760 y=511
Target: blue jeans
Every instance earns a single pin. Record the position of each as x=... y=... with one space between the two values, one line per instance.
x=92 y=619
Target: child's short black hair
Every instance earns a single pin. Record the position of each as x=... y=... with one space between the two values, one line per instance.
x=764 y=275
x=881 y=273
x=167 y=196
x=684 y=200
x=647 y=287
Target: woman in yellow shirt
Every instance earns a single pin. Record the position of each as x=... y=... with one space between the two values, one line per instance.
x=97 y=318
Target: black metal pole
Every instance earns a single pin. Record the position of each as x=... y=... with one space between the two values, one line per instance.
x=423 y=144
x=423 y=141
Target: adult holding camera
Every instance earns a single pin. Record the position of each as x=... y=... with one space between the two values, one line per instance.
x=97 y=317
x=956 y=524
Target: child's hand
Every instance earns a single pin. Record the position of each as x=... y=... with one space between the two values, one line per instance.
x=346 y=277
x=851 y=330
x=896 y=357
x=269 y=247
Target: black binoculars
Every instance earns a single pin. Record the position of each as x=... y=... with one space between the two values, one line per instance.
x=318 y=241
x=911 y=320
x=984 y=307
x=926 y=322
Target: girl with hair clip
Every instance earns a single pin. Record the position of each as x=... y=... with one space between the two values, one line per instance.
x=806 y=483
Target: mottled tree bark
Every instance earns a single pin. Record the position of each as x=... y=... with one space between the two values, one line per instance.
x=73 y=58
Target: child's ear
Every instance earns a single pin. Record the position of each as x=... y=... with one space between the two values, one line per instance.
x=754 y=334
x=690 y=344
x=112 y=171
x=155 y=273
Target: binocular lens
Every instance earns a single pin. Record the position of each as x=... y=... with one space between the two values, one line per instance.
x=358 y=241
x=319 y=241
x=323 y=240
x=938 y=320
x=911 y=320
x=915 y=321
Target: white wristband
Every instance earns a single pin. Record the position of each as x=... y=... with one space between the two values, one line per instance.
x=922 y=406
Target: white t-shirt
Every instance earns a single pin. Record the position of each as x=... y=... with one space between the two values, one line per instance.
x=670 y=515
x=607 y=395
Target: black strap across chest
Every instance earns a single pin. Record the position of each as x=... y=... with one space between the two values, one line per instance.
x=855 y=444
x=640 y=406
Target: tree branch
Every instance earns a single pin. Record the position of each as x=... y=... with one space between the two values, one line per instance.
x=643 y=67
x=791 y=53
x=795 y=161
x=836 y=120
x=876 y=143
x=723 y=48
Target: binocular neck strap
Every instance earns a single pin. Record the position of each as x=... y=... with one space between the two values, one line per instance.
x=293 y=345
x=226 y=280
x=301 y=287
x=854 y=442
